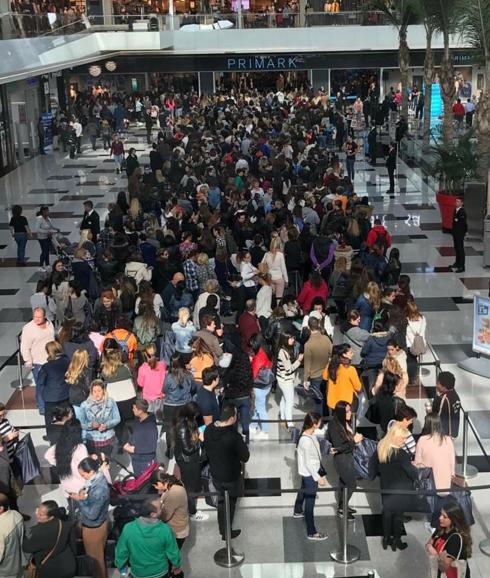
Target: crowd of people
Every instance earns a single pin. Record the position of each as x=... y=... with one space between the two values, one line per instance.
x=239 y=266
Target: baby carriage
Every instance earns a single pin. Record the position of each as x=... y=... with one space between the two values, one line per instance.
x=124 y=495
x=64 y=249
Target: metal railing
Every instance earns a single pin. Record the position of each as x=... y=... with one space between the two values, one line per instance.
x=14 y=25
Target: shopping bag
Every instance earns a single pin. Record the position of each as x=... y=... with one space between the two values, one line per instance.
x=25 y=459
x=365 y=456
x=463 y=498
x=424 y=483
x=208 y=486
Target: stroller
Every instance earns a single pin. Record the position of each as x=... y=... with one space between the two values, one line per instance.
x=64 y=249
x=124 y=495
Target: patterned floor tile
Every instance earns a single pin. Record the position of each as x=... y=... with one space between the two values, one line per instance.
x=475 y=283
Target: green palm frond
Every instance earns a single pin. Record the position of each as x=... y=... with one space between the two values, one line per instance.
x=474 y=25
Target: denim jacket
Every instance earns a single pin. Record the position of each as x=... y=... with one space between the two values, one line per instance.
x=94 y=510
x=175 y=395
x=109 y=416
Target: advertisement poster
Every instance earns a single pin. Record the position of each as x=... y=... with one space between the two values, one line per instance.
x=48 y=128
x=481 y=325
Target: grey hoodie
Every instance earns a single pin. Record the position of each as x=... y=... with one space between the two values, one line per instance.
x=356 y=337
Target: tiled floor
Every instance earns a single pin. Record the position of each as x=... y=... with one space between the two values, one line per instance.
x=274 y=544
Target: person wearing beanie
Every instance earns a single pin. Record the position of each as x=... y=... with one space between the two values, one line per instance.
x=447 y=404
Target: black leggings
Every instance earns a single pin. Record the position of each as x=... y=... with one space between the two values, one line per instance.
x=344 y=464
x=392 y=524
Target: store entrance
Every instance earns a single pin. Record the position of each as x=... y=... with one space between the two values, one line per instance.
x=354 y=83
x=262 y=81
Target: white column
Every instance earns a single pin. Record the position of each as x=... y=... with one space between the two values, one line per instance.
x=381 y=85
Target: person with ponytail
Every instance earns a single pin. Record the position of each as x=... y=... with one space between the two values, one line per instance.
x=52 y=542
x=151 y=375
x=312 y=474
x=343 y=379
x=174 y=502
x=93 y=502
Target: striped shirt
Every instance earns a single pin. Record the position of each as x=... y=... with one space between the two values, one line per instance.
x=5 y=429
x=410 y=444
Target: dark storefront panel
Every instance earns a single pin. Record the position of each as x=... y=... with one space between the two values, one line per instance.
x=270 y=62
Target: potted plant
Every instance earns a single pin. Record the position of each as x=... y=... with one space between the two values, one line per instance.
x=452 y=165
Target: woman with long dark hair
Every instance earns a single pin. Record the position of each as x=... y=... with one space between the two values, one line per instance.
x=93 y=502
x=287 y=365
x=452 y=539
x=263 y=379
x=52 y=542
x=65 y=456
x=343 y=441
x=177 y=389
x=343 y=380
x=173 y=499
x=188 y=453
x=312 y=474
x=435 y=450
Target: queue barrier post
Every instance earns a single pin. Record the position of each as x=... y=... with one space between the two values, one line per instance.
x=227 y=557
x=346 y=554
x=466 y=470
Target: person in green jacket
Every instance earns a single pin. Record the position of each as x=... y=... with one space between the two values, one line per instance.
x=147 y=545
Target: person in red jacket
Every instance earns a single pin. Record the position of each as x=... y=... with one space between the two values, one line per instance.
x=248 y=325
x=379 y=235
x=459 y=112
x=315 y=287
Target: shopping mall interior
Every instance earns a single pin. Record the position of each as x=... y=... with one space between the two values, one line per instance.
x=157 y=161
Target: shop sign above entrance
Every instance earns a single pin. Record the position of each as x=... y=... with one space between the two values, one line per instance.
x=265 y=63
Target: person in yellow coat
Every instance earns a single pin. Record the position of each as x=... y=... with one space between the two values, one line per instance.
x=343 y=380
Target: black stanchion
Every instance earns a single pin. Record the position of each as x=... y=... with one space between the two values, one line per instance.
x=227 y=557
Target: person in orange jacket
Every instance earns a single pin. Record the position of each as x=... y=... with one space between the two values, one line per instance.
x=343 y=380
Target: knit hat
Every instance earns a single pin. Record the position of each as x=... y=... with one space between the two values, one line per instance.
x=446 y=379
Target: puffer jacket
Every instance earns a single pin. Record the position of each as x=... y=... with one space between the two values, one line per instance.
x=238 y=379
x=138 y=271
x=277 y=326
x=374 y=350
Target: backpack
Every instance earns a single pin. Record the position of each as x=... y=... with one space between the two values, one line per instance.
x=377 y=317
x=418 y=347
x=123 y=344
x=382 y=241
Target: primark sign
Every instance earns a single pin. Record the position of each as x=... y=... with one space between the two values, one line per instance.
x=270 y=63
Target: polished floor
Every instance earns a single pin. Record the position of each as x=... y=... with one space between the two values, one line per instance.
x=274 y=544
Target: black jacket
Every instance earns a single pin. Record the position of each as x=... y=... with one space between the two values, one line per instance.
x=226 y=451
x=81 y=273
x=398 y=474
x=144 y=436
x=51 y=380
x=80 y=390
x=91 y=222
x=187 y=449
x=238 y=379
x=293 y=255
x=391 y=160
x=387 y=406
x=339 y=438
x=460 y=226
x=41 y=540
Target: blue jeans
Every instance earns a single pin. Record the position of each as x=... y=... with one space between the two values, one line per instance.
x=260 y=407
x=242 y=405
x=316 y=390
x=36 y=368
x=21 y=240
x=45 y=247
x=307 y=496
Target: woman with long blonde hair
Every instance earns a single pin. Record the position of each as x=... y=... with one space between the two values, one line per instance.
x=184 y=330
x=151 y=375
x=79 y=376
x=390 y=364
x=86 y=241
x=396 y=473
x=274 y=259
x=368 y=304
x=416 y=340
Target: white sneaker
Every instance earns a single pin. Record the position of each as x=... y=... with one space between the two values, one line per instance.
x=262 y=435
x=42 y=270
x=199 y=516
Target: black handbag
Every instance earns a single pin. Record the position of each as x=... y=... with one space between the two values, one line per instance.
x=26 y=461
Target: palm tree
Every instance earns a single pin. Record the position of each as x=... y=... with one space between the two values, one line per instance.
x=425 y=11
x=399 y=13
x=474 y=24
x=444 y=18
